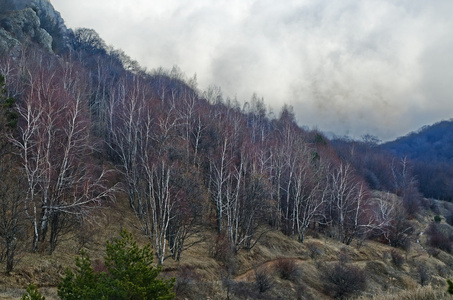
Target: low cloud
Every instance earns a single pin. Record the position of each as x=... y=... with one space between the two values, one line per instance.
x=347 y=67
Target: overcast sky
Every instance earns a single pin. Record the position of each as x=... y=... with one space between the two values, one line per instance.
x=381 y=67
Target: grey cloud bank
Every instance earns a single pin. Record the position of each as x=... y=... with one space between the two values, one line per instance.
x=347 y=67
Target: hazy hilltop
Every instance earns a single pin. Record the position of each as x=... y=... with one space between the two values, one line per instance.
x=235 y=201
x=429 y=143
x=431 y=151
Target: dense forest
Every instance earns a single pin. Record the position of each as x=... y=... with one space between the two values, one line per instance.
x=82 y=125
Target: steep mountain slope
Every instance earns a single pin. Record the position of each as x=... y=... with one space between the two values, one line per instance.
x=227 y=196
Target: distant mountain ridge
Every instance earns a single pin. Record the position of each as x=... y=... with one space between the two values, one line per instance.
x=196 y=169
x=429 y=143
x=430 y=150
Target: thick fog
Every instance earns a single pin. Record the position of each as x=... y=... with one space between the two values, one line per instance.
x=347 y=67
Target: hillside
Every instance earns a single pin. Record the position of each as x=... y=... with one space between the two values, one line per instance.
x=430 y=143
x=236 y=202
x=294 y=270
x=430 y=150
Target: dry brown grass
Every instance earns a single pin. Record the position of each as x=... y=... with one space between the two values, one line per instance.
x=45 y=270
x=310 y=258
x=421 y=293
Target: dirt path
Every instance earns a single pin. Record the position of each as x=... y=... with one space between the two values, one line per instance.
x=268 y=266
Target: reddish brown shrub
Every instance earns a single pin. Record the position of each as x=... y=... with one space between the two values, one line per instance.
x=341 y=281
x=263 y=281
x=185 y=277
x=438 y=239
x=397 y=259
x=287 y=268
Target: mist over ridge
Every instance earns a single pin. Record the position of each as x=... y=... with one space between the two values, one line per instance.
x=377 y=67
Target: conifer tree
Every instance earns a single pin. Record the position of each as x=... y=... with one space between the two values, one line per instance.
x=130 y=275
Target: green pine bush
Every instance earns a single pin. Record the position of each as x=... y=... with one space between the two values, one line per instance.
x=437 y=219
x=130 y=275
x=450 y=287
x=32 y=293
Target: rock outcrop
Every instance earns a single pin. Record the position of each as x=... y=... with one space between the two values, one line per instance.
x=23 y=26
x=32 y=21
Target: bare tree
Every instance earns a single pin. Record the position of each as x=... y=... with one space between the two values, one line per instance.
x=191 y=125
x=190 y=205
x=241 y=205
x=220 y=177
x=287 y=146
x=11 y=210
x=151 y=139
x=406 y=185
x=159 y=205
x=253 y=204
x=129 y=114
x=311 y=195
x=55 y=145
x=238 y=184
x=257 y=120
x=390 y=220
x=11 y=187
x=348 y=199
